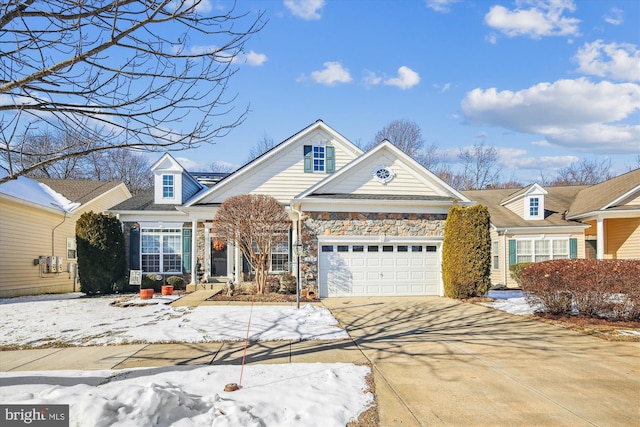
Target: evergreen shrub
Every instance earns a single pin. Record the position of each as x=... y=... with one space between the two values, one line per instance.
x=101 y=253
x=466 y=252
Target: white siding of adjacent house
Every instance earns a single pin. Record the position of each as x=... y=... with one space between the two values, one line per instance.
x=361 y=180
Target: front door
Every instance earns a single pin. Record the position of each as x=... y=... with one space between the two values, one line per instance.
x=218 y=258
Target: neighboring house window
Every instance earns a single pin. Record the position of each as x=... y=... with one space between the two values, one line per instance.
x=167 y=186
x=319 y=158
x=495 y=253
x=161 y=250
x=72 y=252
x=541 y=250
x=534 y=207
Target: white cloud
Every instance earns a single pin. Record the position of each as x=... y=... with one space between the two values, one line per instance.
x=371 y=79
x=442 y=6
x=445 y=87
x=614 y=17
x=308 y=10
x=406 y=79
x=574 y=113
x=252 y=58
x=333 y=73
x=543 y=18
x=620 y=61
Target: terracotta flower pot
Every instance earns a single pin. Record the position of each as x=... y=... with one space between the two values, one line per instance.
x=167 y=290
x=146 y=293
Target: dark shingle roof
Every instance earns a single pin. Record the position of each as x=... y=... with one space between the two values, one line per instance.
x=142 y=201
x=79 y=190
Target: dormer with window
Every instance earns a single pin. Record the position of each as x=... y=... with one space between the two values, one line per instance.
x=527 y=203
x=172 y=184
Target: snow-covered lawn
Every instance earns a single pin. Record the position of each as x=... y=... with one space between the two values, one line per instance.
x=71 y=320
x=317 y=394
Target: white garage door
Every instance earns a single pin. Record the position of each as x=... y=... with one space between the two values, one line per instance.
x=378 y=269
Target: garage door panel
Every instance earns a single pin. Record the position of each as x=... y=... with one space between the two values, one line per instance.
x=388 y=271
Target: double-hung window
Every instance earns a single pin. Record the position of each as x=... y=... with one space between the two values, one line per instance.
x=538 y=250
x=161 y=250
x=534 y=207
x=167 y=186
x=280 y=257
x=318 y=159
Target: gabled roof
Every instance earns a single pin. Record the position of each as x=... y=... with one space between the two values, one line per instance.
x=33 y=193
x=248 y=170
x=531 y=189
x=557 y=201
x=606 y=195
x=441 y=190
x=79 y=190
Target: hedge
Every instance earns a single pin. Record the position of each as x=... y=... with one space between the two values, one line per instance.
x=594 y=288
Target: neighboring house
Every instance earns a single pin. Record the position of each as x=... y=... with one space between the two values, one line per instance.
x=540 y=223
x=369 y=223
x=37 y=231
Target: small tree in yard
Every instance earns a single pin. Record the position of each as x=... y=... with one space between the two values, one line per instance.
x=101 y=253
x=466 y=252
x=254 y=223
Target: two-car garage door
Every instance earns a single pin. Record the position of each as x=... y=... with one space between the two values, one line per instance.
x=366 y=269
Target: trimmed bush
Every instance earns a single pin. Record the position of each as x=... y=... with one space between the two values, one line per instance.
x=287 y=284
x=176 y=281
x=152 y=281
x=594 y=288
x=466 y=252
x=516 y=269
x=101 y=253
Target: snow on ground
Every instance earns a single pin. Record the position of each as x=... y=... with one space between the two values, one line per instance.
x=512 y=301
x=71 y=320
x=271 y=395
x=312 y=394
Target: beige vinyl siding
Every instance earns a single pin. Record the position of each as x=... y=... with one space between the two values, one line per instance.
x=517 y=207
x=497 y=275
x=361 y=180
x=622 y=238
x=26 y=234
x=277 y=176
x=105 y=201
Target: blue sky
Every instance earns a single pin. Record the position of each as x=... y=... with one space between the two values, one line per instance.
x=547 y=82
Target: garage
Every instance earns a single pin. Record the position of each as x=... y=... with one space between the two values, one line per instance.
x=373 y=269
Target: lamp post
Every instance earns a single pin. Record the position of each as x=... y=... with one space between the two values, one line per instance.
x=298 y=251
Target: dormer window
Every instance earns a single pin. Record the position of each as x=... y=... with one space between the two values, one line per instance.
x=319 y=159
x=534 y=207
x=167 y=186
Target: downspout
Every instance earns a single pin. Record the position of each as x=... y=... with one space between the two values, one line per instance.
x=298 y=241
x=53 y=233
x=506 y=256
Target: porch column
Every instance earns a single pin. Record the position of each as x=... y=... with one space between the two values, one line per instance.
x=600 y=238
x=194 y=251
x=207 y=250
x=237 y=263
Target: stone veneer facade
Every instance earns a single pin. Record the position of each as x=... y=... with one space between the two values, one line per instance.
x=361 y=224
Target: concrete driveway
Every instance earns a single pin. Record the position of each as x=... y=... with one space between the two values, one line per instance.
x=440 y=362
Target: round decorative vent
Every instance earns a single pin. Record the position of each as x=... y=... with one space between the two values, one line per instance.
x=383 y=174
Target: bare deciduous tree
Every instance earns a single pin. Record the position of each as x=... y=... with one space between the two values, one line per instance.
x=263 y=145
x=584 y=172
x=404 y=134
x=254 y=223
x=127 y=73
x=480 y=170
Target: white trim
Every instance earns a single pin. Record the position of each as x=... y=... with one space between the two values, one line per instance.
x=619 y=199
